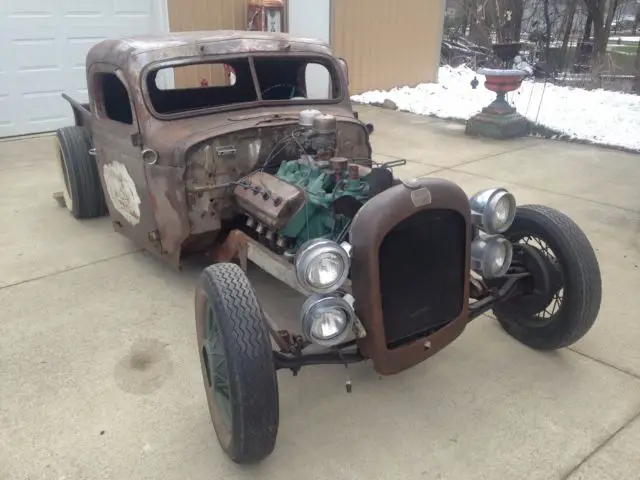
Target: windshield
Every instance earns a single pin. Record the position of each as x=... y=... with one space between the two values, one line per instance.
x=199 y=87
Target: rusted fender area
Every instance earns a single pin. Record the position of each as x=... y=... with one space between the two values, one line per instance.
x=168 y=202
x=239 y=246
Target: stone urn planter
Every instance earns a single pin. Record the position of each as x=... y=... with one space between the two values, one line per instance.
x=499 y=119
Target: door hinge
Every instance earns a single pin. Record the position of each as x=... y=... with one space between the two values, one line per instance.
x=136 y=140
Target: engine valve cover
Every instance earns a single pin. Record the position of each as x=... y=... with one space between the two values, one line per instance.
x=270 y=200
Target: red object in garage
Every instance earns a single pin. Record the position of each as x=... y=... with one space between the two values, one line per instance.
x=265 y=15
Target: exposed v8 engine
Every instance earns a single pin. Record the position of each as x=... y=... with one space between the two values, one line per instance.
x=314 y=196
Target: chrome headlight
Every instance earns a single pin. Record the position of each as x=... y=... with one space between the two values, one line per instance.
x=322 y=266
x=491 y=255
x=326 y=321
x=493 y=210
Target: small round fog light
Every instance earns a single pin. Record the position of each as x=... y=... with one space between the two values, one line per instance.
x=322 y=266
x=491 y=255
x=326 y=320
x=493 y=210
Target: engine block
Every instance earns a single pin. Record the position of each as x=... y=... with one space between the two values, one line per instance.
x=315 y=196
x=305 y=199
x=326 y=186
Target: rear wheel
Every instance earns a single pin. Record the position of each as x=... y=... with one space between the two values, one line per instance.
x=82 y=192
x=564 y=291
x=237 y=364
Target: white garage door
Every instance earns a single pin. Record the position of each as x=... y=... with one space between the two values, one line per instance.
x=43 y=44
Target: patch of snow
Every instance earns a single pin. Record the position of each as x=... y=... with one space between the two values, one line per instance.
x=624 y=39
x=523 y=65
x=597 y=116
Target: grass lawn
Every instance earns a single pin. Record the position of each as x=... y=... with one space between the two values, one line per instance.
x=626 y=49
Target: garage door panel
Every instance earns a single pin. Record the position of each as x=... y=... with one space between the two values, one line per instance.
x=36 y=54
x=76 y=50
x=30 y=7
x=6 y=120
x=41 y=81
x=30 y=29
x=82 y=8
x=4 y=85
x=44 y=109
x=44 y=44
x=135 y=7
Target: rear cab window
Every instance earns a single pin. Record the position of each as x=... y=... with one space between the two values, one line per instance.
x=197 y=88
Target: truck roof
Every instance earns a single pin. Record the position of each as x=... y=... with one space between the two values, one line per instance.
x=140 y=50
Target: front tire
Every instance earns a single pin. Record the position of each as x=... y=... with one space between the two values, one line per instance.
x=577 y=291
x=237 y=364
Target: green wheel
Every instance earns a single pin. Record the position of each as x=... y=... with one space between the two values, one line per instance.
x=237 y=364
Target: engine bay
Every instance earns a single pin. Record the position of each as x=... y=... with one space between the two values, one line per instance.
x=313 y=196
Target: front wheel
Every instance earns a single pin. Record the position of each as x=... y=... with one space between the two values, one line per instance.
x=237 y=364
x=563 y=294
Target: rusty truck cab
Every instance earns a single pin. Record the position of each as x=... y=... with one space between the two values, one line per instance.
x=176 y=118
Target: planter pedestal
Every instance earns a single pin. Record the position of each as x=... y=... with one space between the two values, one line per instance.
x=499 y=120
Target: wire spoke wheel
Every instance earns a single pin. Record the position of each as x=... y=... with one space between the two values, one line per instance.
x=560 y=300
x=553 y=307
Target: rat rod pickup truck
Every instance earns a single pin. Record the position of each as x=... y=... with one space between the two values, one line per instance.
x=245 y=145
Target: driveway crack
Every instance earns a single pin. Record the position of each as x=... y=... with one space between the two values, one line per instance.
x=71 y=269
x=603 y=444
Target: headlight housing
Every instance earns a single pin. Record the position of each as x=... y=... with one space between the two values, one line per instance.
x=493 y=210
x=326 y=320
x=322 y=266
x=491 y=255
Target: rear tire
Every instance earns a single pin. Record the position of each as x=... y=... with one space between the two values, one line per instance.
x=237 y=364
x=82 y=192
x=575 y=264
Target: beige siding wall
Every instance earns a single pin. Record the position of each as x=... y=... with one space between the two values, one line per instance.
x=388 y=43
x=190 y=15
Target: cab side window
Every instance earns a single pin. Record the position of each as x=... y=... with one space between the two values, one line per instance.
x=116 y=104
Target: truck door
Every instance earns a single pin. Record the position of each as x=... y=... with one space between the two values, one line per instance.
x=116 y=135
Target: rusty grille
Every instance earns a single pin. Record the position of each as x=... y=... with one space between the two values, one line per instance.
x=422 y=274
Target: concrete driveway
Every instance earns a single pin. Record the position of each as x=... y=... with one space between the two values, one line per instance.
x=100 y=375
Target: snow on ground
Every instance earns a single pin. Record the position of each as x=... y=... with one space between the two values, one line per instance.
x=597 y=116
x=624 y=39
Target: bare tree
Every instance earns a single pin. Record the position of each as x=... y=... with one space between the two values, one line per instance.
x=467 y=6
x=508 y=19
x=602 y=12
x=480 y=22
x=547 y=24
x=567 y=28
